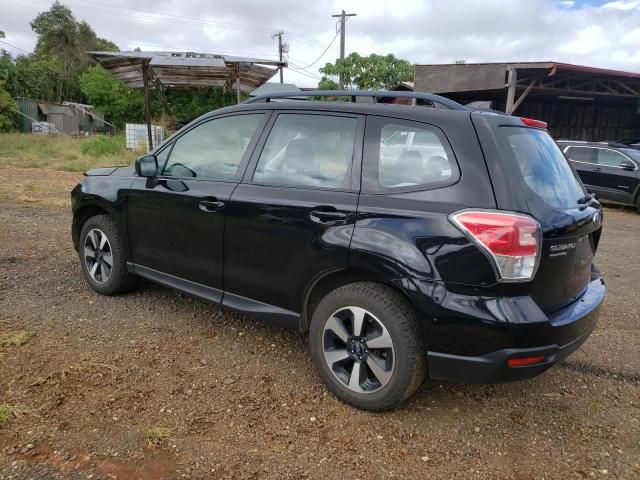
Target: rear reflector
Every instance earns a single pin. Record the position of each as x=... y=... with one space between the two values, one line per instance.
x=524 y=361
x=511 y=240
x=532 y=122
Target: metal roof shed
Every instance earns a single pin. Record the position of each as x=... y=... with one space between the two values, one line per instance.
x=186 y=69
x=577 y=101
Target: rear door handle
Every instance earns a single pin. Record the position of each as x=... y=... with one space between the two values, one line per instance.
x=597 y=169
x=327 y=216
x=210 y=205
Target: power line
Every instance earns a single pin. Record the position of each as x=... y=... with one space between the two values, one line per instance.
x=322 y=54
x=13 y=46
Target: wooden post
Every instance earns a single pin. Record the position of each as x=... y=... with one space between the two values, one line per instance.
x=238 y=83
x=147 y=106
x=511 y=90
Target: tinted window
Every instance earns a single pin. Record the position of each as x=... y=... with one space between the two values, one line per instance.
x=580 y=154
x=213 y=150
x=421 y=159
x=610 y=158
x=544 y=169
x=308 y=150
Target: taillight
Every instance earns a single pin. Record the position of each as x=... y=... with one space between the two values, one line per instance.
x=532 y=122
x=512 y=240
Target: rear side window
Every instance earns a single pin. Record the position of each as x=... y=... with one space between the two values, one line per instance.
x=544 y=169
x=407 y=155
x=580 y=154
x=308 y=151
x=610 y=158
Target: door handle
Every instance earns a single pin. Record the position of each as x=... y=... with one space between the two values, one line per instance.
x=597 y=169
x=210 y=205
x=327 y=216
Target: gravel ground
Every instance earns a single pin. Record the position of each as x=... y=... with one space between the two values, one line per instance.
x=158 y=385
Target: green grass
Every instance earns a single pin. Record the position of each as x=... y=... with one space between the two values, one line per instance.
x=63 y=153
x=5 y=412
x=14 y=339
x=157 y=435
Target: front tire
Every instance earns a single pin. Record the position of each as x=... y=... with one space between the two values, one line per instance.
x=366 y=345
x=102 y=257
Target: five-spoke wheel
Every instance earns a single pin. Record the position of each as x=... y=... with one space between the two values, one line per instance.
x=358 y=349
x=98 y=256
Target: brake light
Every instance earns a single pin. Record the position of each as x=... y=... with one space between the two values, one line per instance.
x=511 y=240
x=532 y=122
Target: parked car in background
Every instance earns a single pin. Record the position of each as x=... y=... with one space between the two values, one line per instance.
x=407 y=242
x=610 y=170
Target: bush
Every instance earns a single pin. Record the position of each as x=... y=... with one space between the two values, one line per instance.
x=102 y=145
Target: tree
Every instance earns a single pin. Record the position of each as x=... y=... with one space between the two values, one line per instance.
x=41 y=78
x=119 y=103
x=375 y=72
x=62 y=37
x=8 y=108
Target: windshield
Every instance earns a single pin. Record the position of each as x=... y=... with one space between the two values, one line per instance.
x=544 y=168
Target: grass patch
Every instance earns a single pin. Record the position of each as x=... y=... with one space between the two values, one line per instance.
x=14 y=339
x=5 y=412
x=157 y=435
x=63 y=153
x=102 y=145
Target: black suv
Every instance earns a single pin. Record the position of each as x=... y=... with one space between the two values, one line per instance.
x=407 y=241
x=610 y=170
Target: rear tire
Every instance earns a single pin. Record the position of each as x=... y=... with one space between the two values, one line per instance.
x=102 y=257
x=386 y=354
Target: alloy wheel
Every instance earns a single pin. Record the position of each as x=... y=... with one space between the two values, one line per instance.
x=358 y=349
x=98 y=256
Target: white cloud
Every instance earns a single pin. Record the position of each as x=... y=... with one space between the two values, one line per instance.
x=433 y=31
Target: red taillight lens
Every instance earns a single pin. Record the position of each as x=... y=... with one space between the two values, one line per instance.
x=524 y=361
x=512 y=240
x=532 y=122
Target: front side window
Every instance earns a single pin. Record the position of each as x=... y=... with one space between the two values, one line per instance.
x=610 y=158
x=213 y=150
x=308 y=150
x=422 y=158
x=580 y=154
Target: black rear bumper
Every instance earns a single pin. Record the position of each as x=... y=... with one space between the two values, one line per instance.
x=561 y=334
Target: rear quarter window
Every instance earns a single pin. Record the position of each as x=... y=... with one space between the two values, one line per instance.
x=406 y=155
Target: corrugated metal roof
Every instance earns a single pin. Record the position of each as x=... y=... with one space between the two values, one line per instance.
x=186 y=69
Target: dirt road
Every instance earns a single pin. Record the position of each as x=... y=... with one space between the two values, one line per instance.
x=156 y=385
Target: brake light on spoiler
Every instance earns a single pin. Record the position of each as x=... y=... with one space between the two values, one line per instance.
x=532 y=122
x=511 y=240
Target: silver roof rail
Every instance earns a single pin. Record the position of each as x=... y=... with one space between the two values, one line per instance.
x=375 y=95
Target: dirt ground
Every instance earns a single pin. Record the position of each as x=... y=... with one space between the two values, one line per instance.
x=157 y=385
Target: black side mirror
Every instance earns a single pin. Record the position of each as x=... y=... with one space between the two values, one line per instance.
x=627 y=165
x=147 y=166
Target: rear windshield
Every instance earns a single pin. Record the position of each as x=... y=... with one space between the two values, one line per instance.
x=543 y=166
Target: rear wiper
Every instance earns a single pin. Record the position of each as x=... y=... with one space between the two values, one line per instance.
x=587 y=198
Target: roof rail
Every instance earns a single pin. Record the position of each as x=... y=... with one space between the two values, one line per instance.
x=375 y=95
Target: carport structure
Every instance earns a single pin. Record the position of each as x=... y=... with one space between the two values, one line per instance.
x=168 y=70
x=578 y=102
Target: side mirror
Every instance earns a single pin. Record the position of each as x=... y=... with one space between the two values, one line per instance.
x=627 y=165
x=147 y=166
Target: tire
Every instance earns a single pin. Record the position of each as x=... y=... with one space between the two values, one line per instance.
x=100 y=231
x=389 y=319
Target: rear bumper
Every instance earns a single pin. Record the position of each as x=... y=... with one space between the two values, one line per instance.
x=555 y=337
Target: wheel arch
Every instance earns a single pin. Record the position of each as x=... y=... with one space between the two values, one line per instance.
x=81 y=216
x=331 y=280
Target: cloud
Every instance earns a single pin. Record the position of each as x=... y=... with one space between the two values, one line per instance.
x=433 y=31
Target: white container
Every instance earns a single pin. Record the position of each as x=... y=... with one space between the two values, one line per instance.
x=138 y=139
x=43 y=128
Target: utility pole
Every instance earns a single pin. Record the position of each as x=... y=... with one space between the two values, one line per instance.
x=280 y=50
x=343 y=19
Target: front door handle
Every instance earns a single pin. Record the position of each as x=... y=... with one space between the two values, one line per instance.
x=327 y=216
x=597 y=169
x=210 y=205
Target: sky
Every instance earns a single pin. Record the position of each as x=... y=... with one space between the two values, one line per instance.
x=587 y=32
